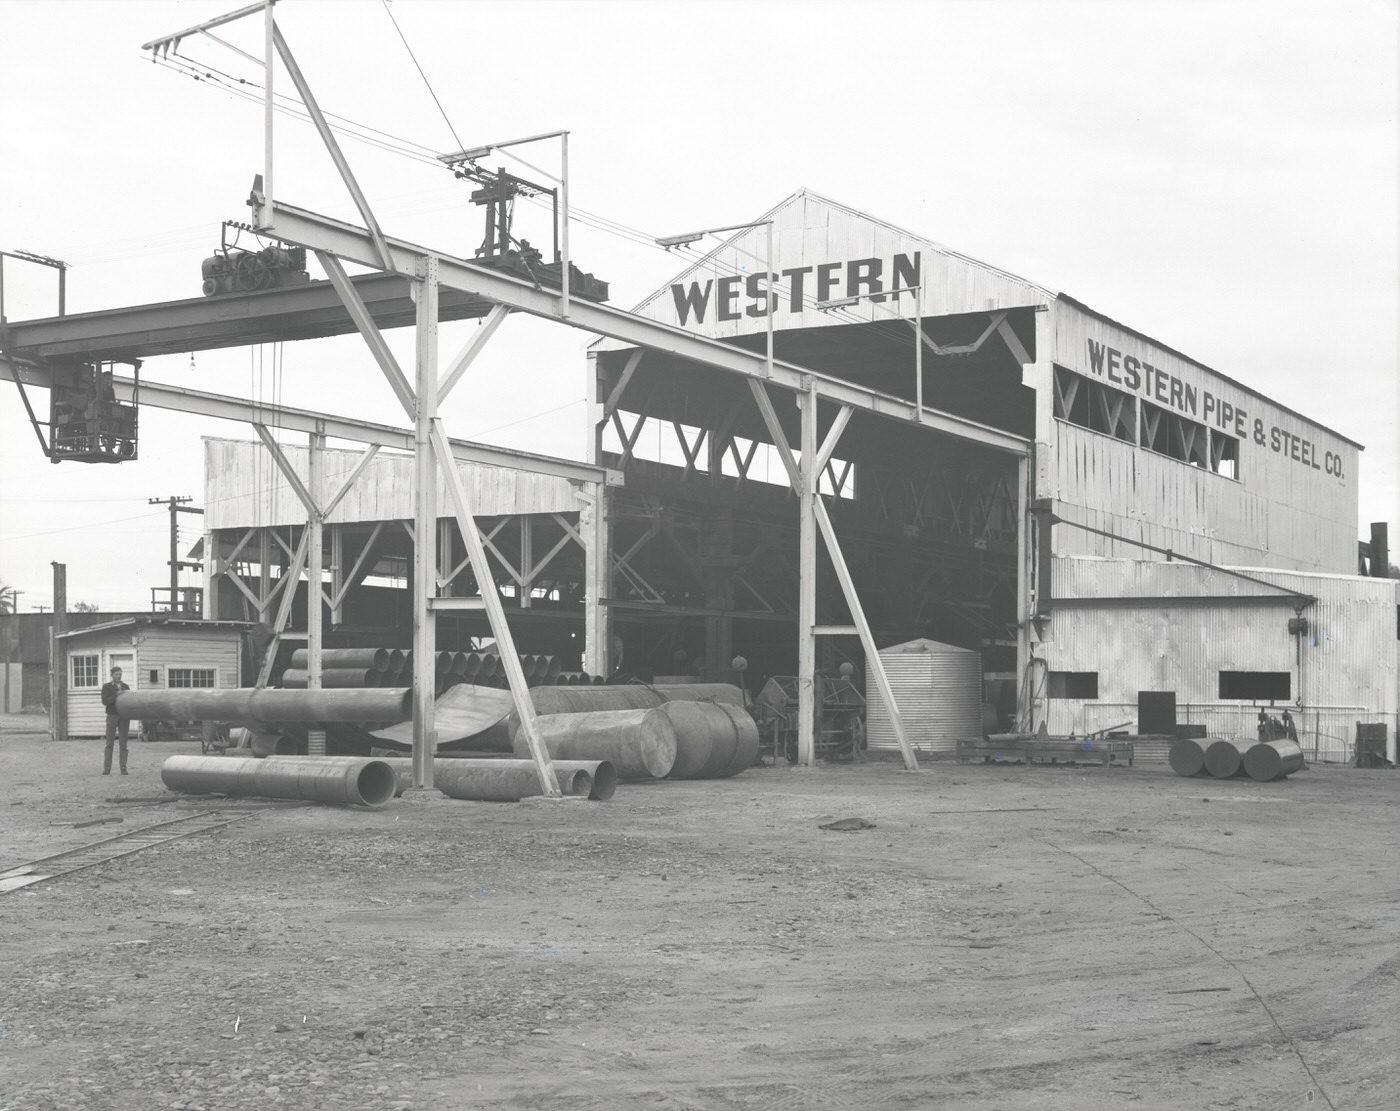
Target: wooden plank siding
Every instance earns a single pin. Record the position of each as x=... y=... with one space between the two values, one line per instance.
x=244 y=488
x=155 y=648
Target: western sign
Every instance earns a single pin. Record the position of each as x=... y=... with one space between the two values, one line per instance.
x=734 y=297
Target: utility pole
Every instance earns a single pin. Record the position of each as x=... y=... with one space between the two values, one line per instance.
x=58 y=667
x=177 y=506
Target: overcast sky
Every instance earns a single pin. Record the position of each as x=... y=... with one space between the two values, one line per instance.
x=1220 y=175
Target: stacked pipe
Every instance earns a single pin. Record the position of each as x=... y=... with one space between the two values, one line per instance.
x=1232 y=757
x=483 y=669
x=344 y=668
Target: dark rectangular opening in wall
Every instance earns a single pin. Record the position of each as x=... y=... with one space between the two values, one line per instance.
x=1072 y=684
x=1256 y=686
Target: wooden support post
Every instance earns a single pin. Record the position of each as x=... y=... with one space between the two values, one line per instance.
x=424 y=522
x=58 y=666
x=495 y=612
x=873 y=663
x=596 y=535
x=264 y=573
x=526 y=580
x=1023 y=608
x=807 y=583
x=315 y=464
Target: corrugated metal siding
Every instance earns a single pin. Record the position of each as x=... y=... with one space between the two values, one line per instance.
x=939 y=694
x=243 y=487
x=1349 y=668
x=1280 y=511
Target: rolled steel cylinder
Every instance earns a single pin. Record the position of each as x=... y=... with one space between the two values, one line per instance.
x=377 y=658
x=629 y=696
x=1273 y=760
x=552 y=666
x=1225 y=756
x=1187 y=757
x=714 y=740
x=459 y=663
x=527 y=665
x=333 y=678
x=510 y=780
x=473 y=664
x=340 y=781
x=640 y=744
x=254 y=705
x=490 y=664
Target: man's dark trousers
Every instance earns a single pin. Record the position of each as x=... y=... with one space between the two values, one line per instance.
x=116 y=728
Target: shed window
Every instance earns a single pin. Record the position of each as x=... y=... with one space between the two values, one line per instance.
x=1256 y=686
x=190 y=677
x=85 y=672
x=1073 y=684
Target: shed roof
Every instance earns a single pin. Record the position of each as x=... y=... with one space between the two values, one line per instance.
x=163 y=620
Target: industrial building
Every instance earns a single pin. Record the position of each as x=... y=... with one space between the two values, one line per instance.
x=1109 y=524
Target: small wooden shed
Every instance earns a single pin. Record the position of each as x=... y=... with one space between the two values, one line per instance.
x=155 y=651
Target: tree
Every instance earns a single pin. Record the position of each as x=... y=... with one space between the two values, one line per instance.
x=9 y=600
x=85 y=607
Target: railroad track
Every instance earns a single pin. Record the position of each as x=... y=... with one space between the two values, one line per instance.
x=111 y=848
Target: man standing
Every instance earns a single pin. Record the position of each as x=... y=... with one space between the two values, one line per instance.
x=116 y=726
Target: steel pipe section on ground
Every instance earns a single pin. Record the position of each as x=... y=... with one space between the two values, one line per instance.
x=1273 y=760
x=714 y=740
x=510 y=780
x=384 y=705
x=1187 y=757
x=1225 y=756
x=640 y=743
x=340 y=781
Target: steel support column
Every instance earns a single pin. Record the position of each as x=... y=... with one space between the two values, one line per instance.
x=807 y=583
x=315 y=465
x=425 y=523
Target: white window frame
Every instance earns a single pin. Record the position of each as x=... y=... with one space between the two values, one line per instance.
x=96 y=658
x=191 y=672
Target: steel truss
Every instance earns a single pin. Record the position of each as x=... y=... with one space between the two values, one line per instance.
x=428 y=272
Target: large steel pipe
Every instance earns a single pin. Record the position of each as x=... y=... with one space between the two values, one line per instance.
x=334 y=678
x=629 y=696
x=1225 y=757
x=1187 y=757
x=377 y=658
x=340 y=781
x=640 y=744
x=1273 y=760
x=510 y=780
x=255 y=705
x=714 y=740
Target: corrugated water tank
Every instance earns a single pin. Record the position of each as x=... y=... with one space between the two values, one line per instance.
x=938 y=689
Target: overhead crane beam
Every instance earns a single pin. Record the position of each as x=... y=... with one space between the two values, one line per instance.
x=158 y=395
x=335 y=237
x=309 y=311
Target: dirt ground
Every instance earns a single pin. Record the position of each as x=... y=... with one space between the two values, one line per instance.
x=1007 y=937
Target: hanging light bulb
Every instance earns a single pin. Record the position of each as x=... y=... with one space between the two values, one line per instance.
x=192 y=366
